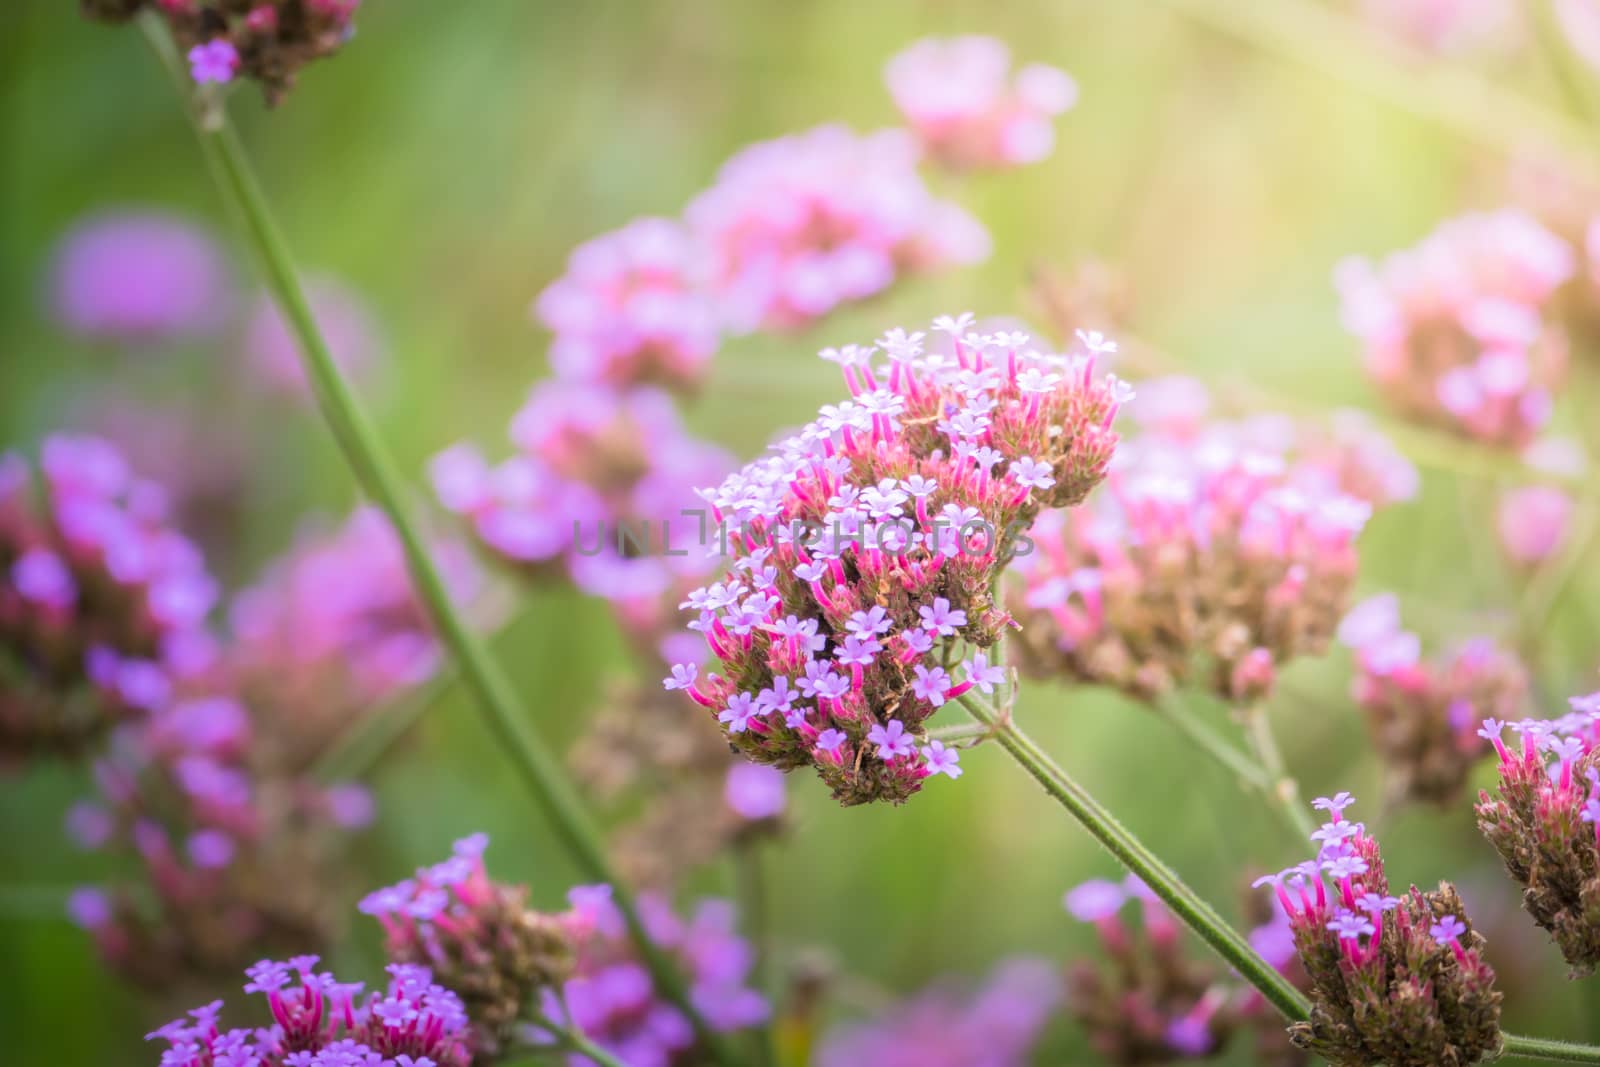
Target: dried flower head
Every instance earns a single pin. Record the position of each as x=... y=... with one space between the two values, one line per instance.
x=799 y=225
x=1424 y=717
x=1210 y=550
x=102 y=602
x=1394 y=980
x=634 y=309
x=267 y=41
x=478 y=937
x=1544 y=820
x=957 y=95
x=945 y=1025
x=873 y=538
x=1455 y=329
x=318 y=1021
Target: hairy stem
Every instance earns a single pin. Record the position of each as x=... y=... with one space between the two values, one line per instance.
x=536 y=763
x=1188 y=906
x=1538 y=1048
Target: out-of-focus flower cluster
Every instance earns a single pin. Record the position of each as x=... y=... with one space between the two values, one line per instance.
x=959 y=99
x=996 y=1025
x=875 y=535
x=1457 y=330
x=1544 y=820
x=1154 y=1004
x=1215 y=543
x=601 y=487
x=612 y=1000
x=267 y=41
x=478 y=937
x=102 y=602
x=1393 y=980
x=1424 y=716
x=701 y=798
x=318 y=1021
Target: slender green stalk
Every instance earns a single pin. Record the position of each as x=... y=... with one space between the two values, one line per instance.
x=574 y=1040
x=1284 y=789
x=1538 y=1048
x=755 y=912
x=1190 y=909
x=537 y=765
x=1250 y=773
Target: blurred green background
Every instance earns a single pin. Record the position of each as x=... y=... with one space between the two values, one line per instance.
x=446 y=164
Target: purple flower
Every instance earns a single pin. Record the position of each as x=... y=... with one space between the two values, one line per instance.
x=1095 y=900
x=1447 y=930
x=942 y=760
x=939 y=619
x=1351 y=926
x=215 y=61
x=1032 y=474
x=930 y=685
x=1335 y=804
x=893 y=742
x=830 y=739
x=755 y=791
x=738 y=712
x=683 y=676
x=983 y=674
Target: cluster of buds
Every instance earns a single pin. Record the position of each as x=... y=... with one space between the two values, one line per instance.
x=1545 y=823
x=1155 y=1004
x=1394 y=980
x=183 y=797
x=1207 y=546
x=796 y=226
x=996 y=1025
x=1455 y=329
x=634 y=308
x=102 y=602
x=600 y=489
x=333 y=629
x=477 y=936
x=703 y=799
x=958 y=98
x=1424 y=716
x=319 y=1021
x=612 y=1000
x=871 y=542
x=265 y=40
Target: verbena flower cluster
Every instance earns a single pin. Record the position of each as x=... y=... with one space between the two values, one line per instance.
x=102 y=601
x=995 y=1025
x=1424 y=716
x=1544 y=820
x=318 y=1021
x=1211 y=548
x=1153 y=1004
x=875 y=536
x=267 y=41
x=612 y=1000
x=478 y=937
x=958 y=97
x=600 y=489
x=1456 y=330
x=1394 y=980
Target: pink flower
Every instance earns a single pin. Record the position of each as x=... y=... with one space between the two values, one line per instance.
x=215 y=61
x=1533 y=522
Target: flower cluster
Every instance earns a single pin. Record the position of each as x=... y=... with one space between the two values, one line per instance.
x=1155 y=1004
x=1455 y=329
x=478 y=937
x=1424 y=716
x=634 y=308
x=600 y=487
x=995 y=1025
x=702 y=799
x=872 y=540
x=334 y=628
x=612 y=1000
x=102 y=602
x=1394 y=980
x=796 y=226
x=958 y=99
x=141 y=278
x=185 y=799
x=1211 y=545
x=265 y=40
x=1545 y=822
x=319 y=1021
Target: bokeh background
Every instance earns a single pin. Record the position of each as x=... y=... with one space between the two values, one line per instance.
x=449 y=160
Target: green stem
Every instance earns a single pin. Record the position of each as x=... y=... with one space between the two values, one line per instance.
x=574 y=1040
x=1190 y=909
x=1197 y=730
x=1538 y=1048
x=540 y=770
x=750 y=876
x=1284 y=790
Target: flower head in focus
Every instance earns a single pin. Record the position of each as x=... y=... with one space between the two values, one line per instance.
x=960 y=100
